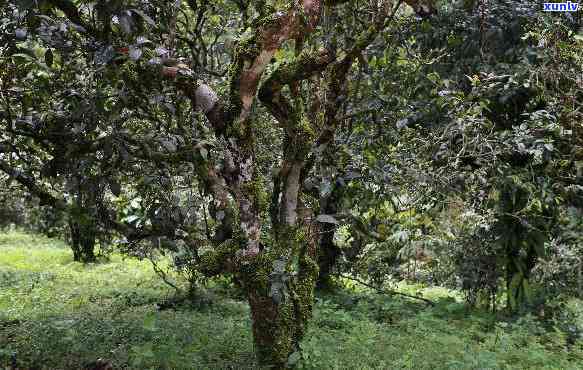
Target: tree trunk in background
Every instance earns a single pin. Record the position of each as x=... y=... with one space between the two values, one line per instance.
x=327 y=257
x=83 y=237
x=517 y=278
x=511 y=294
x=87 y=243
x=328 y=251
x=82 y=221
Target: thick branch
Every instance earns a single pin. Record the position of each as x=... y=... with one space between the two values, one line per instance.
x=298 y=138
x=305 y=66
x=254 y=54
x=30 y=183
x=203 y=97
x=71 y=12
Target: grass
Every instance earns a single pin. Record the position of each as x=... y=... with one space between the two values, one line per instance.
x=59 y=314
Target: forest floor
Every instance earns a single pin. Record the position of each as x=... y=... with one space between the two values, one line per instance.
x=59 y=314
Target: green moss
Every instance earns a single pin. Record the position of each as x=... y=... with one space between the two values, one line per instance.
x=306 y=130
x=255 y=273
x=283 y=321
x=287 y=340
x=129 y=72
x=255 y=189
x=267 y=20
x=300 y=138
x=246 y=51
x=213 y=263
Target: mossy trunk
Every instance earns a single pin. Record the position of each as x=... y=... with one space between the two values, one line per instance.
x=277 y=329
x=281 y=303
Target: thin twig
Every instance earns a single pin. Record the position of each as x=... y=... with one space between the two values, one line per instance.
x=162 y=274
x=390 y=292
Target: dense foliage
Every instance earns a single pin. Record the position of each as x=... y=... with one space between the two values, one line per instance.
x=282 y=146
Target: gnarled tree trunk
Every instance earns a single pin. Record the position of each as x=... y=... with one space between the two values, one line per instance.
x=279 y=274
x=281 y=296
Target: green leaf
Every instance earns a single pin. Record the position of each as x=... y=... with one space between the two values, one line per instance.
x=20 y=34
x=132 y=218
x=24 y=56
x=135 y=53
x=293 y=358
x=203 y=153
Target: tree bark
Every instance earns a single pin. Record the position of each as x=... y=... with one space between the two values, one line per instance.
x=281 y=302
x=279 y=283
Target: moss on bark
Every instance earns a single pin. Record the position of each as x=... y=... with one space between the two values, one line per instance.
x=218 y=260
x=279 y=323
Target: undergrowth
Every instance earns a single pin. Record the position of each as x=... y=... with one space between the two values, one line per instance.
x=60 y=314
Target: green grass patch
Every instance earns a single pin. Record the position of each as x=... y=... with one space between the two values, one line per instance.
x=59 y=314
